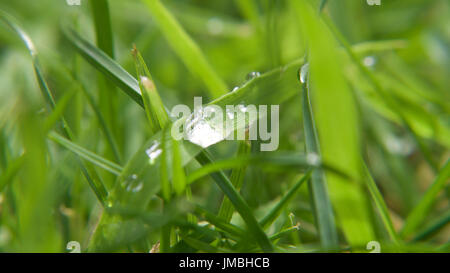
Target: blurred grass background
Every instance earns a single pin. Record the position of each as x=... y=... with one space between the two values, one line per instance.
x=388 y=67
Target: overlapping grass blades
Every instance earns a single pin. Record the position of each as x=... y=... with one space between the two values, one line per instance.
x=92 y=178
x=186 y=48
x=321 y=203
x=336 y=121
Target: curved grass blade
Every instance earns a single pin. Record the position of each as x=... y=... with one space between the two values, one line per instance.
x=241 y=206
x=186 y=48
x=278 y=208
x=284 y=160
x=104 y=64
x=420 y=211
x=433 y=228
x=88 y=155
x=154 y=108
x=219 y=222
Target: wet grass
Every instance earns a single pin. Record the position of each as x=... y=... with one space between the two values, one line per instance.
x=87 y=154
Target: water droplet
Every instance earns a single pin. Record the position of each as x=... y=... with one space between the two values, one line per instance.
x=235 y=88
x=304 y=73
x=252 y=75
x=369 y=61
x=203 y=133
x=153 y=152
x=313 y=159
x=215 y=26
x=400 y=146
x=133 y=184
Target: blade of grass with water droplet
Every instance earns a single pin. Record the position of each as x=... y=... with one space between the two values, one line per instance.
x=188 y=51
x=337 y=127
x=323 y=210
x=281 y=78
x=156 y=113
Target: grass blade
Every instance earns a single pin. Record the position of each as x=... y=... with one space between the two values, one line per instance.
x=240 y=205
x=419 y=213
x=104 y=64
x=381 y=205
x=321 y=203
x=156 y=113
x=103 y=28
x=337 y=127
x=278 y=208
x=237 y=180
x=88 y=155
x=92 y=178
x=433 y=228
x=11 y=170
x=186 y=48
x=179 y=177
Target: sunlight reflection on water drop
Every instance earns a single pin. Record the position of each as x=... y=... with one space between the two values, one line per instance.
x=153 y=152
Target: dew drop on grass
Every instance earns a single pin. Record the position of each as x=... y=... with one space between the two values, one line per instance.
x=153 y=152
x=215 y=26
x=252 y=75
x=203 y=132
x=369 y=61
x=133 y=184
x=399 y=146
x=235 y=88
x=304 y=73
x=313 y=159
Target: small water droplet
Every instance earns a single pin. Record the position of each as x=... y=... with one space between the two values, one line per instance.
x=153 y=152
x=369 y=61
x=215 y=26
x=313 y=159
x=204 y=134
x=133 y=184
x=253 y=75
x=400 y=146
x=304 y=73
x=235 y=88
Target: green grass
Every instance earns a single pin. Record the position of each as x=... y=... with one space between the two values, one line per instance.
x=364 y=135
